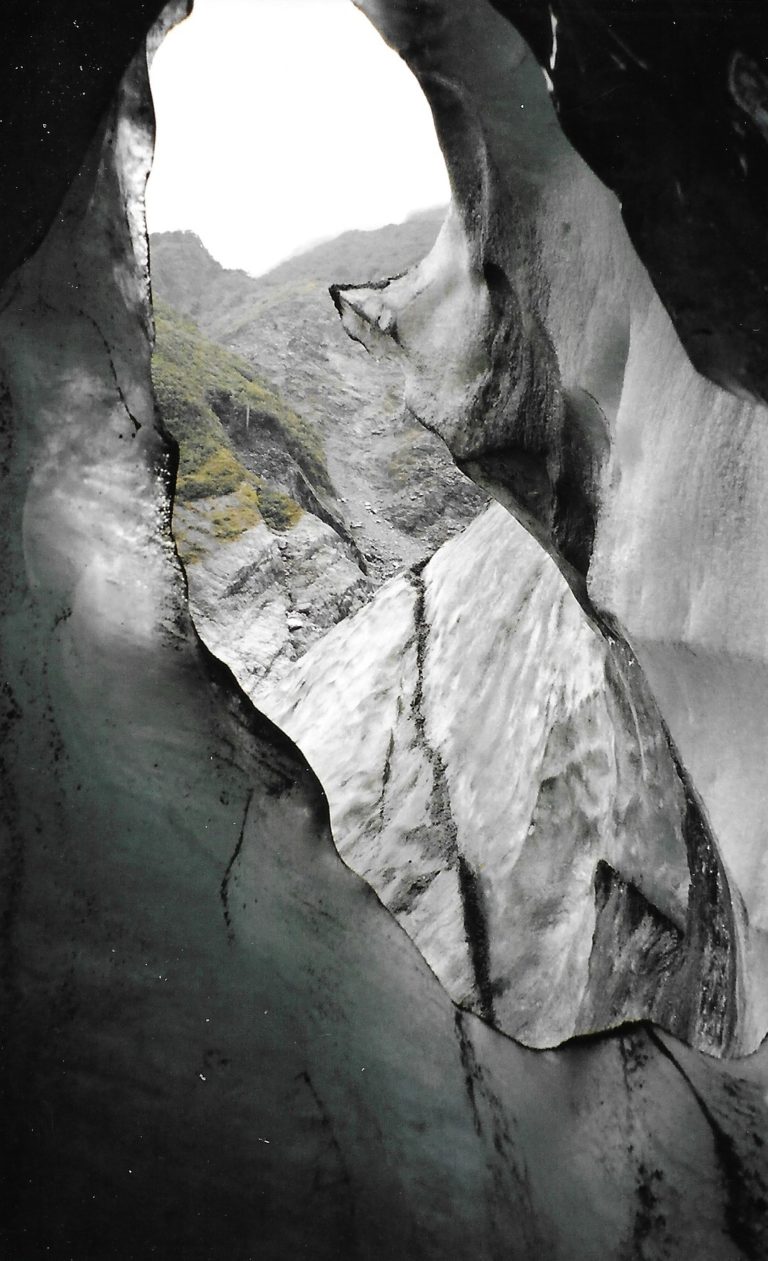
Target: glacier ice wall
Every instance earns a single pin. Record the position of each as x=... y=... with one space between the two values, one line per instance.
x=534 y=343
x=485 y=774
x=216 y=1041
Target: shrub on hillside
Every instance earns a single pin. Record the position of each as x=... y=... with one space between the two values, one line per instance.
x=197 y=385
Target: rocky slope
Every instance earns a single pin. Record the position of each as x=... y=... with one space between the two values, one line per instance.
x=398 y=492
x=375 y=491
x=270 y=565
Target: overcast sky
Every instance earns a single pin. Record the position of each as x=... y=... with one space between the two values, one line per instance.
x=282 y=122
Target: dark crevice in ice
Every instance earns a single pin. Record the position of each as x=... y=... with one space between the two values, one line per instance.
x=476 y=930
x=441 y=816
x=442 y=821
x=224 y=886
x=745 y=1208
x=469 y=1067
x=113 y=370
x=385 y=774
x=347 y=1233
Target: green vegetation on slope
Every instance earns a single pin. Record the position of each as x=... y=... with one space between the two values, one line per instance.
x=198 y=386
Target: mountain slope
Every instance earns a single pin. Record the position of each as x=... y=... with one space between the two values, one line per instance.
x=398 y=492
x=268 y=565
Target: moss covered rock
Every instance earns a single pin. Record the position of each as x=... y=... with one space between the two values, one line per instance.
x=204 y=392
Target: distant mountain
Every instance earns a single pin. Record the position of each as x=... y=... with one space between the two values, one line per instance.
x=188 y=278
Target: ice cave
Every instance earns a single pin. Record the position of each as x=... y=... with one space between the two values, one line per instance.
x=384 y=865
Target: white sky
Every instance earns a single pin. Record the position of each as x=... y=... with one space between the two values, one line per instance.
x=282 y=122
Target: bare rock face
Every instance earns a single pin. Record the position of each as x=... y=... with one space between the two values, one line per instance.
x=395 y=491
x=217 y=1043
x=534 y=344
x=260 y=601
